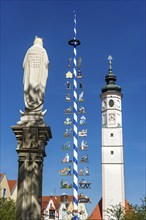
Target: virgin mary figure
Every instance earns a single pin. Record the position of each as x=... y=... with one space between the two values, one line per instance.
x=35 y=66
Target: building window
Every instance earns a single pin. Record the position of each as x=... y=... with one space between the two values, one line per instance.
x=51 y=214
x=112 y=152
x=112 y=134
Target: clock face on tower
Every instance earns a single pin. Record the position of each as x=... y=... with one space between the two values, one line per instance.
x=111 y=103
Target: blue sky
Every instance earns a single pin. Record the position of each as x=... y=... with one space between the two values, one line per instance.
x=103 y=27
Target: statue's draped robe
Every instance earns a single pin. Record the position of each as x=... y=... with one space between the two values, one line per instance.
x=35 y=77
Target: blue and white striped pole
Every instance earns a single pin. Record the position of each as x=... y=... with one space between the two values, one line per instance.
x=75 y=43
x=75 y=129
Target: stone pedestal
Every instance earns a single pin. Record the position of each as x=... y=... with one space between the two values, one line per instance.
x=31 y=141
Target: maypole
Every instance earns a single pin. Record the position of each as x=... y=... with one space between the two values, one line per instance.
x=75 y=83
x=74 y=42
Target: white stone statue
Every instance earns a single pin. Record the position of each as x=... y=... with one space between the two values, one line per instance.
x=35 y=66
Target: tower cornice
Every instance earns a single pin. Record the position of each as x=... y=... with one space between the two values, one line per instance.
x=106 y=93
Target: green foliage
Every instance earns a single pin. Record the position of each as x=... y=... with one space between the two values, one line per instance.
x=136 y=212
x=7 y=209
x=115 y=212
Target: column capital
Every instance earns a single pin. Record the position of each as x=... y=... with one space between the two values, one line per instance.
x=31 y=139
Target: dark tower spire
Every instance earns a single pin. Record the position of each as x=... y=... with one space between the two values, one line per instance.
x=110 y=79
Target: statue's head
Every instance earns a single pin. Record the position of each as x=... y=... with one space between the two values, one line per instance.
x=38 y=40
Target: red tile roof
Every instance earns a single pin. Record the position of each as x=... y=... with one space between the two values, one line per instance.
x=97 y=212
x=1 y=176
x=46 y=199
x=127 y=206
x=56 y=200
x=12 y=184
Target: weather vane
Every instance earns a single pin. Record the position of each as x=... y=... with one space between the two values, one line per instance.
x=110 y=59
x=110 y=62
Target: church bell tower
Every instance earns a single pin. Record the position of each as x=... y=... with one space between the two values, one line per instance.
x=112 y=143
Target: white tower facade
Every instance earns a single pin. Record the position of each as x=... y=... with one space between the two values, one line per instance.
x=112 y=144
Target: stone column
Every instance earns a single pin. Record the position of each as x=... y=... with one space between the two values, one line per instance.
x=31 y=141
